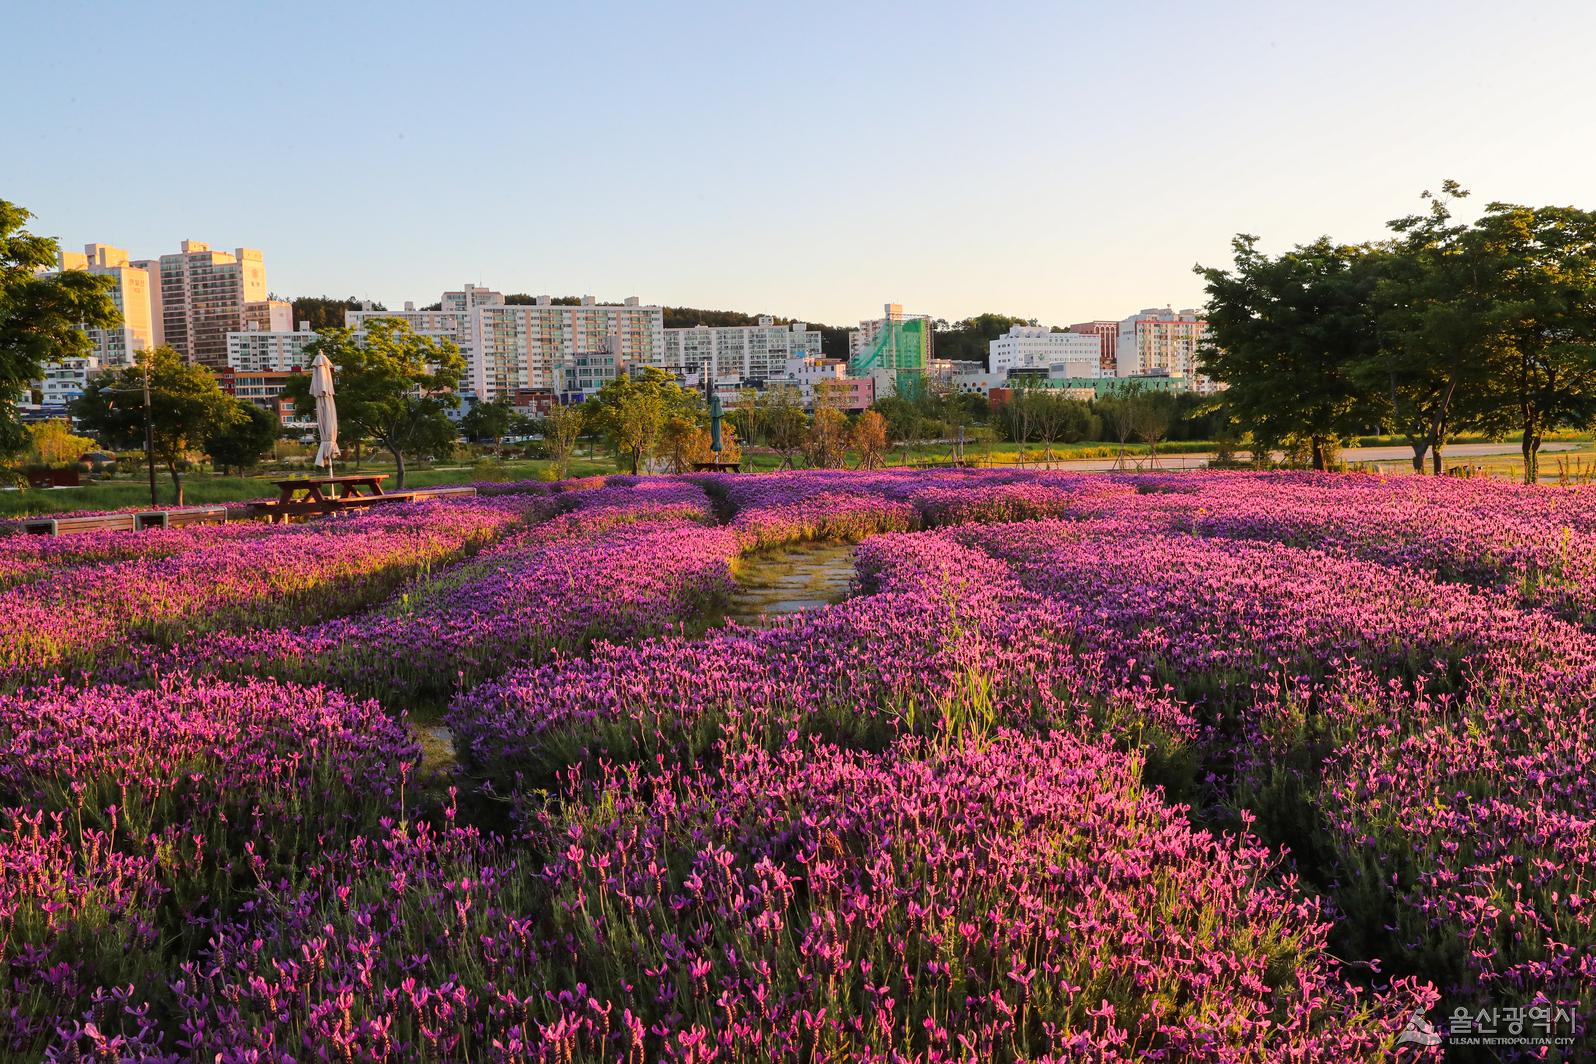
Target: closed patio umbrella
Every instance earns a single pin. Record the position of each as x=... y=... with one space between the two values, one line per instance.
x=321 y=387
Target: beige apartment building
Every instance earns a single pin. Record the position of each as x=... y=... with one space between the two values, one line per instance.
x=200 y=296
x=269 y=315
x=132 y=296
x=1162 y=342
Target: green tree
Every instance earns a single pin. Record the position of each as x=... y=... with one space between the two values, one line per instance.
x=560 y=430
x=240 y=439
x=488 y=422
x=633 y=409
x=391 y=386
x=185 y=404
x=969 y=340
x=1541 y=322
x=40 y=315
x=1433 y=337
x=785 y=422
x=1289 y=335
x=325 y=312
x=53 y=442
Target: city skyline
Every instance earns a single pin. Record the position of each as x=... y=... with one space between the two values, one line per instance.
x=1059 y=163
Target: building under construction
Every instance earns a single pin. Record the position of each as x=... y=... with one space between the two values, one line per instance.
x=895 y=349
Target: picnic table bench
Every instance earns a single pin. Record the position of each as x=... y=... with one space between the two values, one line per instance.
x=326 y=495
x=716 y=467
x=127 y=521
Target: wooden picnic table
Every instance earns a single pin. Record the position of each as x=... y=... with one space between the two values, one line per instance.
x=319 y=491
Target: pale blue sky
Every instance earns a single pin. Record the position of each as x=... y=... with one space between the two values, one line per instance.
x=1061 y=161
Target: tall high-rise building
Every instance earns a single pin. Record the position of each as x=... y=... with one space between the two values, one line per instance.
x=115 y=346
x=1107 y=333
x=200 y=295
x=1162 y=342
x=747 y=352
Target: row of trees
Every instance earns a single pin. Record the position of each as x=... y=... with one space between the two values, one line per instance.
x=1447 y=326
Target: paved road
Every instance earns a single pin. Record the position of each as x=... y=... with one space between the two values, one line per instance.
x=1351 y=454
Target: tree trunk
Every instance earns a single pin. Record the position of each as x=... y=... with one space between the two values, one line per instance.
x=398 y=468
x=177 y=481
x=1316 y=443
x=1420 y=447
x=1532 y=451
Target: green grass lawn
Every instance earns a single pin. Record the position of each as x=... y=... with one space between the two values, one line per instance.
x=209 y=488
x=204 y=488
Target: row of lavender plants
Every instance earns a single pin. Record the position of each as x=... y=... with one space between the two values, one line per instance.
x=84 y=616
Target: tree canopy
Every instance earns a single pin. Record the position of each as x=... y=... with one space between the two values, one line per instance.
x=633 y=410
x=1489 y=326
x=40 y=314
x=240 y=439
x=326 y=312
x=1285 y=334
x=185 y=404
x=391 y=386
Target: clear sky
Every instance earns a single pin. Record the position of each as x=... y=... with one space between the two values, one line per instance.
x=1062 y=161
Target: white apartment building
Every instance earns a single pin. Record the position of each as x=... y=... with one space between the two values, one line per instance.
x=537 y=345
x=256 y=350
x=1037 y=347
x=199 y=297
x=64 y=381
x=132 y=296
x=749 y=353
x=525 y=346
x=1163 y=342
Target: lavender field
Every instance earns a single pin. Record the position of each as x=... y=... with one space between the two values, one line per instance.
x=1186 y=767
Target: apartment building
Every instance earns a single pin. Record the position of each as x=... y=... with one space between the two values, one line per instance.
x=256 y=350
x=1037 y=347
x=751 y=354
x=1107 y=333
x=468 y=298
x=537 y=345
x=65 y=380
x=268 y=315
x=1163 y=342
x=131 y=294
x=199 y=296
